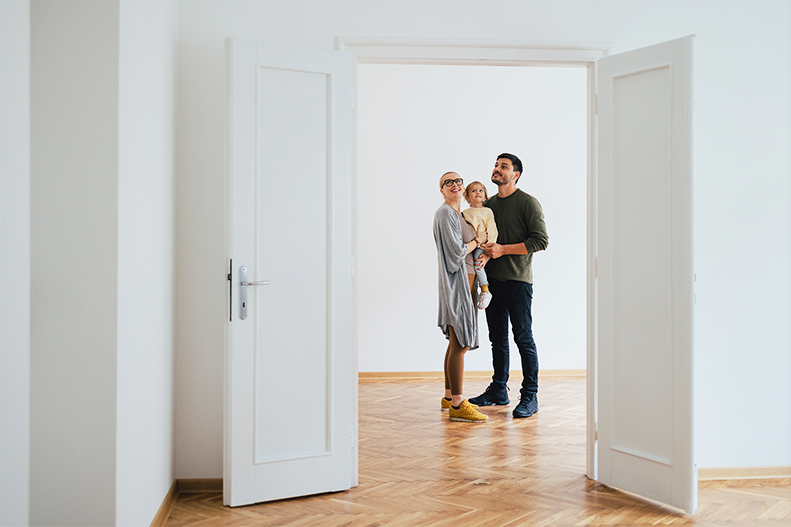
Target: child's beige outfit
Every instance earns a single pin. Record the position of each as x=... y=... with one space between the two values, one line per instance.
x=485 y=217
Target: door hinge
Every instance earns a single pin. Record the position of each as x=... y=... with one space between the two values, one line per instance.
x=351 y=436
x=230 y=277
x=352 y=266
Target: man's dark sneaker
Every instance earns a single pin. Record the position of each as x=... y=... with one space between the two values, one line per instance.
x=492 y=395
x=528 y=405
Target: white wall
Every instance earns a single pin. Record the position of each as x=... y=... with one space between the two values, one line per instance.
x=102 y=260
x=417 y=122
x=74 y=261
x=743 y=188
x=14 y=262
x=200 y=306
x=144 y=449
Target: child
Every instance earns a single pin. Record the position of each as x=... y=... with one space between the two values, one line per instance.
x=476 y=215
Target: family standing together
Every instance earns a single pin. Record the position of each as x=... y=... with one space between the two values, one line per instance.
x=489 y=245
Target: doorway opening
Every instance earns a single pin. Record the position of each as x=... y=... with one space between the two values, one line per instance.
x=475 y=53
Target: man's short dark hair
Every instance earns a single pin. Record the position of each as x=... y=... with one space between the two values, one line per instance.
x=514 y=161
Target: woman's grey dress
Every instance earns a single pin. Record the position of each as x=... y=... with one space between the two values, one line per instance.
x=455 y=301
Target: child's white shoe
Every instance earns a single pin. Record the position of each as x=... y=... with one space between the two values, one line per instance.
x=483 y=299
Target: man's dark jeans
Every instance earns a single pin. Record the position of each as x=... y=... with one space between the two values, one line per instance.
x=512 y=299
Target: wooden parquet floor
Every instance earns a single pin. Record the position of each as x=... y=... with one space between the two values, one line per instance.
x=419 y=469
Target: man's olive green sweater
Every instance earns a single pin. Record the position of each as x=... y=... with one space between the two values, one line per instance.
x=519 y=219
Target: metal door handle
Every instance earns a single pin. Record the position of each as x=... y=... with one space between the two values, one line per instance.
x=243 y=283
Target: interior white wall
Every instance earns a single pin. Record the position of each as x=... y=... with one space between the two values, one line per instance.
x=102 y=232
x=144 y=449
x=14 y=262
x=743 y=189
x=417 y=122
x=74 y=261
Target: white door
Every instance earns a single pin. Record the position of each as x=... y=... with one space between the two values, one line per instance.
x=645 y=273
x=290 y=408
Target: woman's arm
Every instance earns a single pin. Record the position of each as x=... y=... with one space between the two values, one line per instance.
x=480 y=237
x=447 y=234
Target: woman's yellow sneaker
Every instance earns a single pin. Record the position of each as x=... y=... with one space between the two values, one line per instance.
x=446 y=404
x=466 y=413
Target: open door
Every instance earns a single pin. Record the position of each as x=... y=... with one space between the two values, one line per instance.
x=645 y=274
x=290 y=396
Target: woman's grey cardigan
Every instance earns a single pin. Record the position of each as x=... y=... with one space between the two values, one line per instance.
x=455 y=301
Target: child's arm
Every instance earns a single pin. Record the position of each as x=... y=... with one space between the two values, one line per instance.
x=491 y=226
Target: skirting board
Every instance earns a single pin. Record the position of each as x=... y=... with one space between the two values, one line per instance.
x=708 y=474
x=186 y=486
x=161 y=518
x=215 y=484
x=200 y=485
x=517 y=374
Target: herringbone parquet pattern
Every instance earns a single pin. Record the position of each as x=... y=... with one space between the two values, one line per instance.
x=419 y=469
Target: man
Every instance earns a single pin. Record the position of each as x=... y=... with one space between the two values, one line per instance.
x=522 y=232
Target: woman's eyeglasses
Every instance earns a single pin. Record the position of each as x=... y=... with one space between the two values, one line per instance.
x=451 y=182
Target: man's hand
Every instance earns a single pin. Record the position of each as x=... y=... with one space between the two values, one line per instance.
x=493 y=250
x=481 y=261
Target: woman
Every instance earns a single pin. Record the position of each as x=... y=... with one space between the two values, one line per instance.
x=457 y=315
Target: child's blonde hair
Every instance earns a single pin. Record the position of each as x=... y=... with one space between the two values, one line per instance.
x=467 y=191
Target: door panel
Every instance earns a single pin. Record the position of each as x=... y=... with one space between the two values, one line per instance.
x=290 y=385
x=645 y=429
x=290 y=313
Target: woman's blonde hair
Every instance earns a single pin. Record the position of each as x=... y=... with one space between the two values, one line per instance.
x=445 y=174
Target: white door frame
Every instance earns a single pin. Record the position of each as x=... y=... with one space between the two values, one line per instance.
x=468 y=52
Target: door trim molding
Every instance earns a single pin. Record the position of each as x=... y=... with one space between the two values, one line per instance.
x=476 y=52
x=481 y=52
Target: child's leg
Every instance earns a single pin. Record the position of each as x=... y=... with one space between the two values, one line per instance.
x=480 y=274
